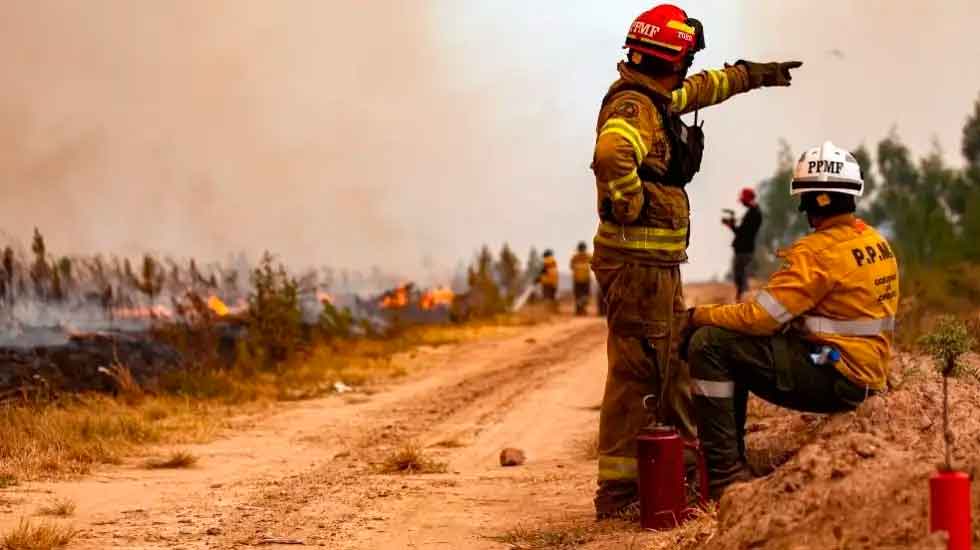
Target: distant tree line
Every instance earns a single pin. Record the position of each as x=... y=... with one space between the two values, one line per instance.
x=109 y=282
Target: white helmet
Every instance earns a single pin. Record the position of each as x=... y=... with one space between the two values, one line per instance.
x=827 y=168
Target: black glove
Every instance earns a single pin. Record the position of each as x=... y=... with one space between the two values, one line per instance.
x=687 y=329
x=769 y=74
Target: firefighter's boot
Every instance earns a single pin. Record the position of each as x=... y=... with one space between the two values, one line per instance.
x=616 y=499
x=720 y=410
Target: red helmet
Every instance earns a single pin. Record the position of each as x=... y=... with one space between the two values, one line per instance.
x=747 y=195
x=665 y=32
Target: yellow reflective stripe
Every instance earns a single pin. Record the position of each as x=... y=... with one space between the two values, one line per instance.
x=617 y=467
x=679 y=98
x=677 y=25
x=642 y=238
x=628 y=178
x=620 y=127
x=632 y=187
x=723 y=76
x=619 y=192
x=714 y=87
x=638 y=149
x=640 y=245
x=626 y=184
x=639 y=232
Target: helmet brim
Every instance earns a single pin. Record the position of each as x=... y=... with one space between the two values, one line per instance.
x=658 y=52
x=846 y=187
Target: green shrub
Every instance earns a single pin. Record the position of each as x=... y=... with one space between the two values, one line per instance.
x=275 y=324
x=950 y=340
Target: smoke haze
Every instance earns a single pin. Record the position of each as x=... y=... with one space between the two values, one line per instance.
x=406 y=133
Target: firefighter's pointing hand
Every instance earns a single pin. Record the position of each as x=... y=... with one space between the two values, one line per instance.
x=770 y=74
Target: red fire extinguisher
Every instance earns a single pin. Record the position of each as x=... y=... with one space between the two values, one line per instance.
x=949 y=508
x=663 y=483
x=949 y=490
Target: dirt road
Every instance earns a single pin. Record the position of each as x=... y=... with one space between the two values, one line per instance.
x=308 y=473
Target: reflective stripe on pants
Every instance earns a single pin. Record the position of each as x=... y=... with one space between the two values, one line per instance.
x=617 y=468
x=712 y=388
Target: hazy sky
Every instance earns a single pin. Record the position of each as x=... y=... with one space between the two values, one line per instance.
x=407 y=133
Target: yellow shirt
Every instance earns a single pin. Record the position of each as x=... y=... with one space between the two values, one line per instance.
x=838 y=286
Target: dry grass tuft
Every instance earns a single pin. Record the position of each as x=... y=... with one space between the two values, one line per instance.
x=40 y=536
x=127 y=388
x=587 y=448
x=549 y=537
x=62 y=507
x=70 y=436
x=7 y=480
x=690 y=535
x=176 y=460
x=410 y=459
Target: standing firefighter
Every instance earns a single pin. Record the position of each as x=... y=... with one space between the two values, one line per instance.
x=837 y=293
x=581 y=278
x=548 y=279
x=644 y=156
x=744 y=242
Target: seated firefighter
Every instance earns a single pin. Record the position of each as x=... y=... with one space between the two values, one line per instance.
x=817 y=338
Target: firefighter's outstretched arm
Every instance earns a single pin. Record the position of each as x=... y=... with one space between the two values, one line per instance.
x=796 y=288
x=716 y=85
x=623 y=142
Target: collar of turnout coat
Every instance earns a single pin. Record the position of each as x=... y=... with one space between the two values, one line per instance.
x=631 y=76
x=840 y=219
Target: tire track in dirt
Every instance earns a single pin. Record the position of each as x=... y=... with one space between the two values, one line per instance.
x=339 y=502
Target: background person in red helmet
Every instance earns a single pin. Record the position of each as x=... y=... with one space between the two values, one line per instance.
x=644 y=156
x=744 y=243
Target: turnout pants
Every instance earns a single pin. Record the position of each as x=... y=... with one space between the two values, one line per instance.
x=582 y=291
x=740 y=271
x=550 y=295
x=645 y=306
x=726 y=366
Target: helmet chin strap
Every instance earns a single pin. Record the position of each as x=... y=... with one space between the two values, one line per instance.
x=812 y=220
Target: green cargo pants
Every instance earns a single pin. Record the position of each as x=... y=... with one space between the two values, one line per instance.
x=726 y=366
x=645 y=305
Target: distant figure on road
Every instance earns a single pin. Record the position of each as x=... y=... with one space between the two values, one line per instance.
x=548 y=279
x=581 y=265
x=744 y=243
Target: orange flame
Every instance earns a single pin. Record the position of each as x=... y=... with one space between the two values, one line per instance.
x=217 y=306
x=395 y=299
x=322 y=296
x=435 y=297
